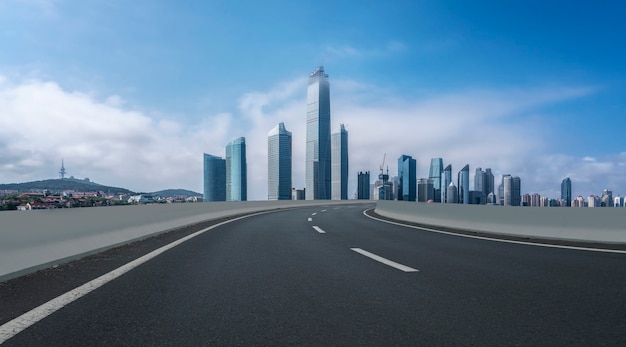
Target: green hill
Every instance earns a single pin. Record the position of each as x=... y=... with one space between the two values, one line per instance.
x=175 y=193
x=56 y=185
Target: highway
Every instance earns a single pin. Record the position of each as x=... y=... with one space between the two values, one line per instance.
x=329 y=275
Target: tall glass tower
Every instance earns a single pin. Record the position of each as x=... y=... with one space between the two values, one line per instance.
x=318 y=164
x=463 y=182
x=214 y=178
x=236 y=170
x=446 y=179
x=436 y=168
x=566 y=192
x=279 y=163
x=363 y=183
x=407 y=187
x=339 y=156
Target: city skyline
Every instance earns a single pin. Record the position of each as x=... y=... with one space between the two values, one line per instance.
x=512 y=87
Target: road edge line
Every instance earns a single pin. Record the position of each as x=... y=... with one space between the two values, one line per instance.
x=496 y=239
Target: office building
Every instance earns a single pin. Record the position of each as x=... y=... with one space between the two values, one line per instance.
x=425 y=191
x=606 y=199
x=279 y=163
x=476 y=197
x=318 y=162
x=463 y=186
x=488 y=186
x=566 y=191
x=511 y=189
x=214 y=178
x=363 y=185
x=483 y=182
x=446 y=179
x=535 y=199
x=236 y=170
x=593 y=201
x=479 y=180
x=526 y=200
x=451 y=194
x=297 y=194
x=407 y=167
x=339 y=158
x=436 y=169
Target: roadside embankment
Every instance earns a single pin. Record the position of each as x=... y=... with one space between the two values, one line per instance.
x=595 y=225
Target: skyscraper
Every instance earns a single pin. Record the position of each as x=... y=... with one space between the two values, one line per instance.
x=339 y=157
x=489 y=183
x=436 y=168
x=407 y=178
x=318 y=164
x=566 y=192
x=236 y=170
x=446 y=179
x=425 y=190
x=479 y=180
x=463 y=182
x=279 y=163
x=363 y=186
x=214 y=178
x=451 y=194
x=511 y=190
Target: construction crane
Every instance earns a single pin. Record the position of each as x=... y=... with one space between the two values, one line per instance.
x=382 y=175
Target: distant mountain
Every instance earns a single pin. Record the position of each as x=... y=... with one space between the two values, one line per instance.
x=175 y=193
x=55 y=185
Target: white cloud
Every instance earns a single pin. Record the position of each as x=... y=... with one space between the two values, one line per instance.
x=41 y=123
x=347 y=51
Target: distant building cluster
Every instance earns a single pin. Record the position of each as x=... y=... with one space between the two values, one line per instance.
x=439 y=187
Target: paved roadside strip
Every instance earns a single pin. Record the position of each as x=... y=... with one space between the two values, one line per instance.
x=563 y=244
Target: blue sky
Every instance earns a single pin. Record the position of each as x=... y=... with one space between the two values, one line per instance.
x=131 y=93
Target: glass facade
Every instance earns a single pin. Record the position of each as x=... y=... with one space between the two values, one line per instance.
x=363 y=183
x=407 y=189
x=339 y=172
x=318 y=163
x=463 y=183
x=566 y=192
x=236 y=170
x=279 y=163
x=214 y=178
x=446 y=179
x=436 y=168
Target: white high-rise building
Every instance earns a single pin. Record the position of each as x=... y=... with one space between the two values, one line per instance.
x=339 y=158
x=279 y=163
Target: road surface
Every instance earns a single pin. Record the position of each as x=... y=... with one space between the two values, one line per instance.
x=329 y=276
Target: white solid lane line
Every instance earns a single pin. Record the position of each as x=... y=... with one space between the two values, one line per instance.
x=15 y=326
x=318 y=229
x=385 y=260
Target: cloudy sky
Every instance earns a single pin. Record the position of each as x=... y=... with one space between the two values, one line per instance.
x=131 y=93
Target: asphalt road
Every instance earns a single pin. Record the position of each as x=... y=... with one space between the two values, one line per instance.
x=274 y=279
